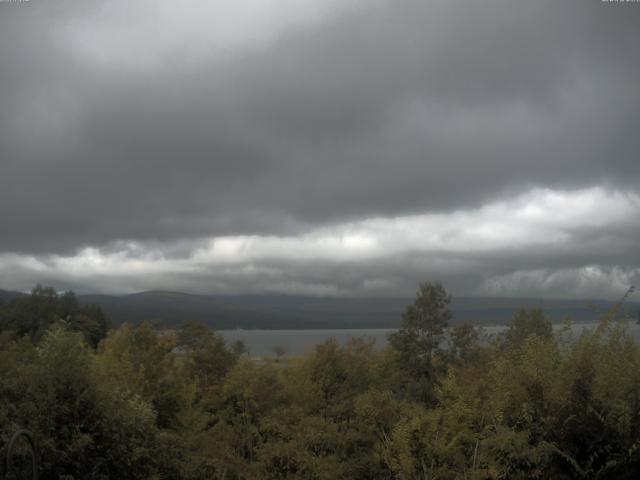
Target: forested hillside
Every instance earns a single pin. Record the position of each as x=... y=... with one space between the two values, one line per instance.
x=170 y=309
x=297 y=312
x=137 y=403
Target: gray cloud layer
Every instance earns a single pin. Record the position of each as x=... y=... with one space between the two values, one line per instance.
x=111 y=130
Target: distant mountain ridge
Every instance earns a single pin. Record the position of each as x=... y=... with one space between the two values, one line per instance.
x=10 y=295
x=298 y=312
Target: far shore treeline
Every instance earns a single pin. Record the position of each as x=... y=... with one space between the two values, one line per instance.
x=138 y=402
x=295 y=312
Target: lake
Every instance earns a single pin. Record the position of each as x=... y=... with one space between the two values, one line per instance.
x=298 y=342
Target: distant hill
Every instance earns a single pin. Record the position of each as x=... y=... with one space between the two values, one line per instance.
x=295 y=312
x=9 y=295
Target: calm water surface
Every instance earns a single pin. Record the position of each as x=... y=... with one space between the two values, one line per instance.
x=298 y=342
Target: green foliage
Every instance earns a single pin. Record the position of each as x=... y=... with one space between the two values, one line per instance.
x=31 y=315
x=208 y=358
x=528 y=322
x=419 y=338
x=464 y=339
x=147 y=404
x=83 y=431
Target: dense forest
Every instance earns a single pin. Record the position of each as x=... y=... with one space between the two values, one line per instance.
x=438 y=403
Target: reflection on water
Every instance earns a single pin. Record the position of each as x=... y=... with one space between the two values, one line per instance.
x=298 y=342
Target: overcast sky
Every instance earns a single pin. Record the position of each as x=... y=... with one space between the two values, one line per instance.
x=322 y=147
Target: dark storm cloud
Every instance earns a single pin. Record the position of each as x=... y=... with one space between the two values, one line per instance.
x=544 y=243
x=390 y=108
x=125 y=147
